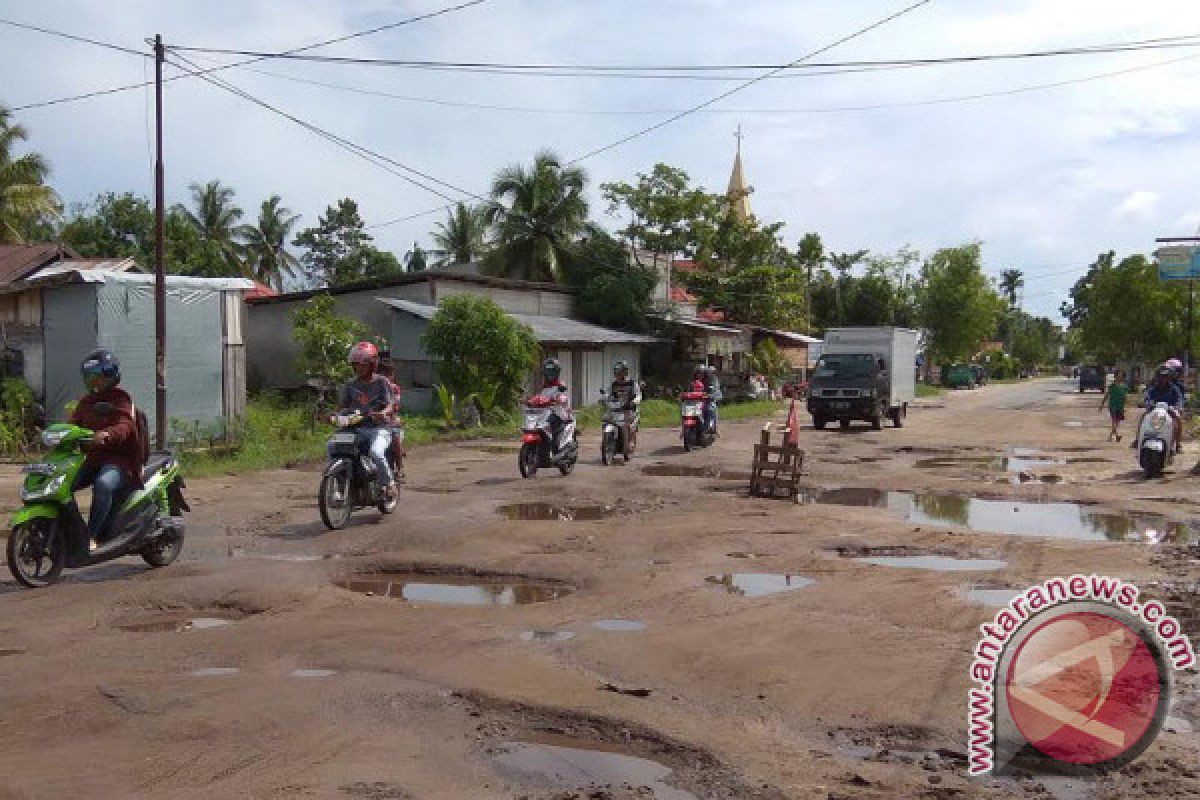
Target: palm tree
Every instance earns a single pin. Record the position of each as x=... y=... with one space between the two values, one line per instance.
x=24 y=197
x=843 y=263
x=460 y=239
x=1011 y=280
x=265 y=244
x=215 y=219
x=545 y=210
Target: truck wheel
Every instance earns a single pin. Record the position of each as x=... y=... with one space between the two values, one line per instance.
x=819 y=423
x=877 y=420
x=897 y=418
x=845 y=423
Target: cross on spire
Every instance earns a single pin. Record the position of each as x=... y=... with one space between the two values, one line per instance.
x=738 y=135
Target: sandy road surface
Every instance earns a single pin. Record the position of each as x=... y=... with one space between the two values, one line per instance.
x=851 y=686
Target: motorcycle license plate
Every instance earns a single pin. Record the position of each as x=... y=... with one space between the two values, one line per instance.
x=691 y=411
x=343 y=438
x=1154 y=444
x=840 y=406
x=532 y=422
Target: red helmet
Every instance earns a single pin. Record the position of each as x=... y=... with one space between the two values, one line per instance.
x=365 y=352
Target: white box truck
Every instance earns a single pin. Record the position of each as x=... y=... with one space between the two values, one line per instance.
x=864 y=374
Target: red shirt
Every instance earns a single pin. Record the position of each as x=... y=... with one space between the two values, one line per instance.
x=122 y=448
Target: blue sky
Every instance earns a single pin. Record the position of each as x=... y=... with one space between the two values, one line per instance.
x=1046 y=179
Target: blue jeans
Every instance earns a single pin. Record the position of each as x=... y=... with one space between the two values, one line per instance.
x=376 y=442
x=106 y=481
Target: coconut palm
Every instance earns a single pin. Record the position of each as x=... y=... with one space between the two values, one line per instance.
x=215 y=219
x=536 y=214
x=265 y=244
x=460 y=239
x=1011 y=281
x=25 y=200
x=843 y=263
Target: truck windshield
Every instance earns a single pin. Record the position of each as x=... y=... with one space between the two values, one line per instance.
x=848 y=366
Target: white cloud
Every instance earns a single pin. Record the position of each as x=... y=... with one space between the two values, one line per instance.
x=1138 y=205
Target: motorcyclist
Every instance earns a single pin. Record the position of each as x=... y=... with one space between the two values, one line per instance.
x=1177 y=374
x=1164 y=390
x=370 y=394
x=707 y=376
x=113 y=463
x=629 y=392
x=554 y=389
x=387 y=369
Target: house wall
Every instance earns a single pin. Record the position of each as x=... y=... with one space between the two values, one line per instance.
x=515 y=301
x=21 y=330
x=70 y=329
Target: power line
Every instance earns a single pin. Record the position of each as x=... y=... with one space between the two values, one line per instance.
x=742 y=86
x=304 y=48
x=73 y=37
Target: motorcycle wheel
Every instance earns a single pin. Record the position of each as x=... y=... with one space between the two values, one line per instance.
x=567 y=464
x=1151 y=463
x=527 y=460
x=164 y=550
x=608 y=448
x=36 y=553
x=387 y=506
x=627 y=447
x=333 y=500
x=687 y=439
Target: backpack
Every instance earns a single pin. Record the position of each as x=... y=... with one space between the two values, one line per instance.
x=143 y=434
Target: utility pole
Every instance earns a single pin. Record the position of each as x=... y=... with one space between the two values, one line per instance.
x=160 y=280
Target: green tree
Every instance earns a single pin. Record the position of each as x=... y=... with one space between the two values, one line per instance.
x=536 y=214
x=612 y=289
x=122 y=226
x=810 y=257
x=1011 y=282
x=265 y=244
x=958 y=306
x=842 y=263
x=664 y=210
x=338 y=250
x=27 y=204
x=325 y=339
x=768 y=361
x=480 y=349
x=215 y=220
x=460 y=239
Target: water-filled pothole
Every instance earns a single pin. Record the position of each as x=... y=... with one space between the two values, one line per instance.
x=551 y=512
x=619 y=625
x=546 y=636
x=177 y=622
x=992 y=597
x=214 y=672
x=582 y=765
x=684 y=471
x=456 y=589
x=1017 y=517
x=746 y=554
x=758 y=584
x=312 y=673
x=936 y=563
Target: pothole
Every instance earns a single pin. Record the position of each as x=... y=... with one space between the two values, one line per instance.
x=550 y=512
x=502 y=449
x=546 y=636
x=565 y=763
x=936 y=563
x=758 y=584
x=991 y=596
x=214 y=672
x=432 y=489
x=178 y=622
x=683 y=471
x=619 y=625
x=460 y=588
x=11 y=651
x=312 y=673
x=746 y=554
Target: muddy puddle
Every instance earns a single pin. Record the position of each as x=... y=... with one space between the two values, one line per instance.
x=550 y=512
x=432 y=489
x=499 y=449
x=564 y=763
x=936 y=563
x=746 y=554
x=1016 y=517
x=11 y=651
x=619 y=625
x=312 y=673
x=214 y=672
x=175 y=623
x=989 y=595
x=683 y=471
x=455 y=590
x=546 y=636
x=758 y=584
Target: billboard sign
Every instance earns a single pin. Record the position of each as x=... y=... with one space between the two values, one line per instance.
x=1178 y=263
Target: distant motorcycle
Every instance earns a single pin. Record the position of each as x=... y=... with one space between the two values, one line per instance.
x=538 y=446
x=350 y=480
x=1156 y=441
x=617 y=429
x=695 y=432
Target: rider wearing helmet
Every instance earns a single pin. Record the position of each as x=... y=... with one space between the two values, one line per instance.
x=707 y=376
x=630 y=391
x=113 y=462
x=1164 y=390
x=554 y=389
x=370 y=394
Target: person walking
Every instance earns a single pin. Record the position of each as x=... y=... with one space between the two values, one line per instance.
x=1115 y=396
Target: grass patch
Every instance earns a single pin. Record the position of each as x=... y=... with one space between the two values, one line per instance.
x=277 y=434
x=928 y=390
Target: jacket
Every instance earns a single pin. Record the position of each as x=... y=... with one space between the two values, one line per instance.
x=122 y=449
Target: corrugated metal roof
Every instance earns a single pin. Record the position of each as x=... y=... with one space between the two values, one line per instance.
x=454 y=274
x=19 y=261
x=558 y=330
x=53 y=276
x=795 y=337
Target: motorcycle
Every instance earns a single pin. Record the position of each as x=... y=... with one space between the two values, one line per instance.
x=695 y=432
x=537 y=443
x=1156 y=441
x=49 y=534
x=617 y=430
x=350 y=480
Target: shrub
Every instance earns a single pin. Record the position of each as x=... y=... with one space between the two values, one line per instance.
x=324 y=340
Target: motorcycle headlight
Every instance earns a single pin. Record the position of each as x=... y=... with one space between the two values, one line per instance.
x=49 y=487
x=1158 y=422
x=54 y=438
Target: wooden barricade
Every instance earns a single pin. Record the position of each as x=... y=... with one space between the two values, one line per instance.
x=776 y=467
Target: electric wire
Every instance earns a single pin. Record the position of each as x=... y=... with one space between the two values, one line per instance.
x=75 y=38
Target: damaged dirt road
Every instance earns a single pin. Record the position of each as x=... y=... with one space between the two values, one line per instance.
x=625 y=632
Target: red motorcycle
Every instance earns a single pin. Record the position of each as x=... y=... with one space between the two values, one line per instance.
x=695 y=432
x=537 y=442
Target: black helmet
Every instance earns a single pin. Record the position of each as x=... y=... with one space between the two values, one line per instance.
x=620 y=367
x=101 y=362
x=551 y=369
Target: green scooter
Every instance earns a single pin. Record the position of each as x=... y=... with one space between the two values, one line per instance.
x=49 y=533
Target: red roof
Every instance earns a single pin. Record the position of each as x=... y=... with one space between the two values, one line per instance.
x=260 y=290
x=681 y=295
x=685 y=265
x=708 y=315
x=19 y=261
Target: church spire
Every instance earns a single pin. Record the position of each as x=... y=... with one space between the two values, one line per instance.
x=738 y=192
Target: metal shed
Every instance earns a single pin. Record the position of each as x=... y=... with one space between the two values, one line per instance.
x=80 y=310
x=585 y=351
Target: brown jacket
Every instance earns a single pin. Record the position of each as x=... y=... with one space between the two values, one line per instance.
x=122 y=448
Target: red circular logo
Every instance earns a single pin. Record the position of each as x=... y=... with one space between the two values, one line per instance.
x=1083 y=688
